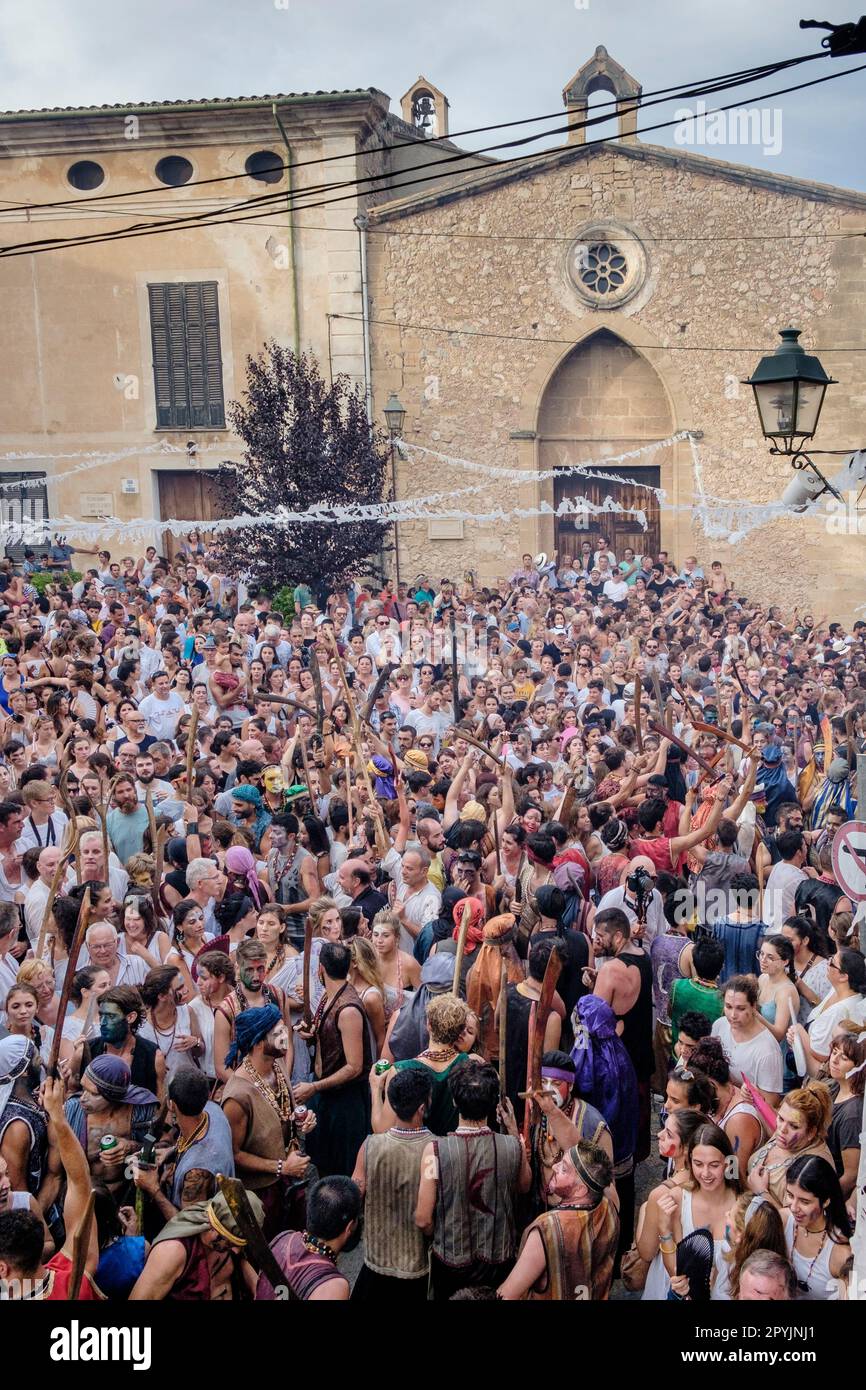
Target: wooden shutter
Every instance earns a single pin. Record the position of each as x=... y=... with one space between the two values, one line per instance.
x=187 y=360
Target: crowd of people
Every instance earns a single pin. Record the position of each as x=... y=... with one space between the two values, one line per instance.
x=422 y=920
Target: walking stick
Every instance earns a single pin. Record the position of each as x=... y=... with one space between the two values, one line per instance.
x=308 y=951
x=66 y=991
x=54 y=888
x=80 y=1244
x=760 y=890
x=461 y=946
x=503 y=1027
x=496 y=842
x=348 y=765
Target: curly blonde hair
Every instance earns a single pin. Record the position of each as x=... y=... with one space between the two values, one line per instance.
x=813 y=1104
x=446 y=1019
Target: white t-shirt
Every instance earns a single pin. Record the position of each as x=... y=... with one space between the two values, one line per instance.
x=759 y=1059
x=779 y=893
x=162 y=715
x=435 y=724
x=825 y=1017
x=655 y=916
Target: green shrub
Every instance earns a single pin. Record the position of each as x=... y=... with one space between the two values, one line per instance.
x=284 y=602
x=43 y=577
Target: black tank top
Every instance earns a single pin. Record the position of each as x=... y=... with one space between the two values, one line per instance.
x=637 y=1024
x=517 y=1047
x=143 y=1066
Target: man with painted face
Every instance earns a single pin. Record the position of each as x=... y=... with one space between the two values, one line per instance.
x=260 y=1108
x=108 y=1104
x=121 y=1014
x=567 y=1254
x=250 y=992
x=565 y=1119
x=292 y=875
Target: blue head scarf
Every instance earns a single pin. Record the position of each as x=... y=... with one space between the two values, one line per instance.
x=250 y=1027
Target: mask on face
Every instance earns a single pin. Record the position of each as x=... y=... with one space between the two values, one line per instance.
x=273 y=780
x=550 y=1088
x=113 y=1029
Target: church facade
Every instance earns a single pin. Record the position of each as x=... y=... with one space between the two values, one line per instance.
x=597 y=299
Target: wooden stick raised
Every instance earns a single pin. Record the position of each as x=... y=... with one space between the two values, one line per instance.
x=66 y=992
x=502 y=1028
x=474 y=743
x=461 y=946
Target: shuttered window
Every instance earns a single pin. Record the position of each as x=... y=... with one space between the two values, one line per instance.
x=187 y=361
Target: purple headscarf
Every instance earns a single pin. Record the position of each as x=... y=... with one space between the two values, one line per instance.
x=240 y=861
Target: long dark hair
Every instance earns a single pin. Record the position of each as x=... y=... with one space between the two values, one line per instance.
x=783 y=947
x=818 y=1177
x=810 y=932
x=852 y=964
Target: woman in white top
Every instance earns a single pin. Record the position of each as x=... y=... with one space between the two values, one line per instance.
x=82 y=1025
x=216 y=977
x=753 y=1223
x=673 y=1139
x=817 y=1228
x=189 y=937
x=751 y=1050
x=810 y=963
x=170 y=1024
x=846 y=971
x=141 y=935
x=702 y=1202
x=733 y=1112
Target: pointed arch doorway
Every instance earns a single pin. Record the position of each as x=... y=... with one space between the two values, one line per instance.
x=605 y=398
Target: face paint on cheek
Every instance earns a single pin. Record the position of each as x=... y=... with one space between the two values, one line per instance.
x=113 y=1029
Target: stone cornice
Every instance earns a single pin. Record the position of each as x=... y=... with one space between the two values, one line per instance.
x=34 y=134
x=471 y=183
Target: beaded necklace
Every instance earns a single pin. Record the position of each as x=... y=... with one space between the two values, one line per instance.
x=278 y=1096
x=318 y=1247
x=199 y=1132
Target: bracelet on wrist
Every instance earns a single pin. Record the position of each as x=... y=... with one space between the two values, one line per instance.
x=280 y=1164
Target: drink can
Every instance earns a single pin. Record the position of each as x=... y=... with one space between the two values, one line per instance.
x=382 y=1066
x=107 y=1144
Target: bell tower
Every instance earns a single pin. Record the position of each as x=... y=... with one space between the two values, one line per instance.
x=425 y=108
x=603 y=74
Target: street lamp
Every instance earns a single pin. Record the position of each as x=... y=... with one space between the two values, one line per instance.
x=395 y=415
x=789 y=388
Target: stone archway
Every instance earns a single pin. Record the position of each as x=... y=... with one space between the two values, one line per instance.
x=605 y=398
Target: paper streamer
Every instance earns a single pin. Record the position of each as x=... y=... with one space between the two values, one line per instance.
x=94 y=460
x=722 y=519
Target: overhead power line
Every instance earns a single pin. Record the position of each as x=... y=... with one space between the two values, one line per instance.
x=224 y=217
x=737 y=78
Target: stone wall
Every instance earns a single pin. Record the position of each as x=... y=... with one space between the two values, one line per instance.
x=731 y=257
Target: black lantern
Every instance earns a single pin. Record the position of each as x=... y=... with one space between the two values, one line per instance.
x=395 y=414
x=789 y=388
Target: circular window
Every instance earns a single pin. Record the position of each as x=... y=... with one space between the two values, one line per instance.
x=266 y=166
x=606 y=268
x=607 y=265
x=174 y=170
x=85 y=175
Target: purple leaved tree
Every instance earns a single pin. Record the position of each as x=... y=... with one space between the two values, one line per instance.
x=306 y=444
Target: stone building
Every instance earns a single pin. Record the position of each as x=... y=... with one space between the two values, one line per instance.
x=136 y=346
x=593 y=299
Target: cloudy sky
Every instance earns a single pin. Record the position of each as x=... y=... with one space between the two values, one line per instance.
x=496 y=60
